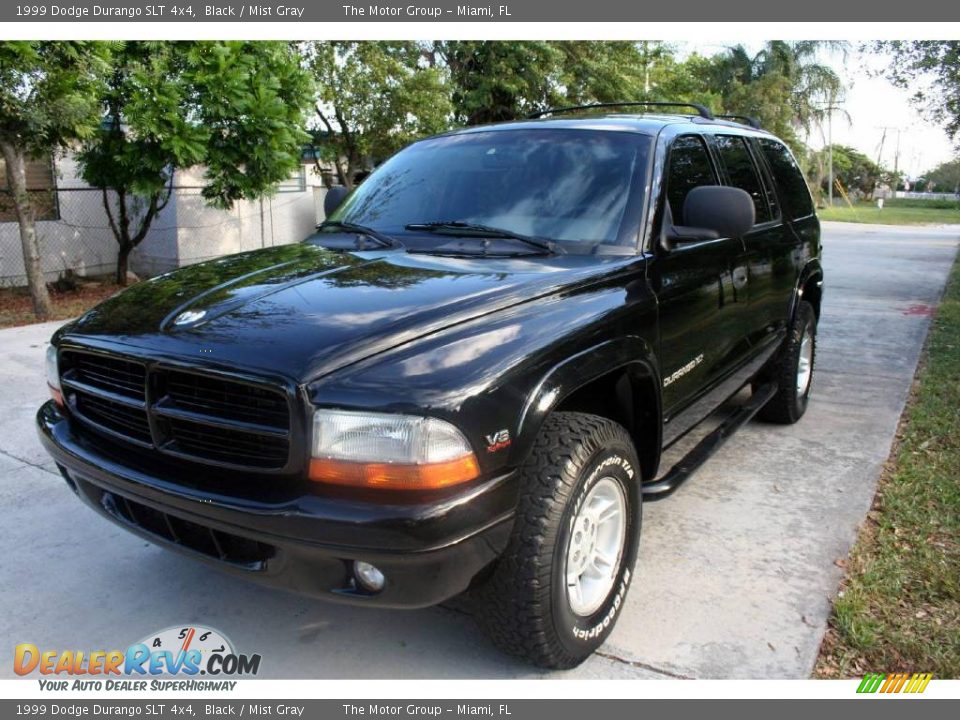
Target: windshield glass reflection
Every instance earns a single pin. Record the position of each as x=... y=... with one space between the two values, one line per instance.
x=565 y=185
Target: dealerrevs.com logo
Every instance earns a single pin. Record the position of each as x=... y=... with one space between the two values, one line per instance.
x=182 y=651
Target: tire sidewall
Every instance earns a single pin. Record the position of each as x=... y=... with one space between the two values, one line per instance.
x=805 y=324
x=580 y=636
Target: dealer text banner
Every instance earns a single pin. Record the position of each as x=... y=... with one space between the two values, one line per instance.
x=448 y=11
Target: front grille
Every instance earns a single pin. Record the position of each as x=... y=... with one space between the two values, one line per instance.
x=226 y=445
x=119 y=419
x=217 y=544
x=112 y=374
x=187 y=414
x=226 y=399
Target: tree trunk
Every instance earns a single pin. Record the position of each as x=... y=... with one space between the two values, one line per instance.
x=123 y=256
x=17 y=182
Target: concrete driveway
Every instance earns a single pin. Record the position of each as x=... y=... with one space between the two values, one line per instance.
x=736 y=570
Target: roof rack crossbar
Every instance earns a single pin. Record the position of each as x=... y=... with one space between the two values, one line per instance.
x=743 y=120
x=702 y=111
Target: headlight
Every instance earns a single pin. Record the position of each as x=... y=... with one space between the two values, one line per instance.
x=402 y=452
x=53 y=375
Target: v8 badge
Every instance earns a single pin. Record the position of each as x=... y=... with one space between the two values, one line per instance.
x=498 y=440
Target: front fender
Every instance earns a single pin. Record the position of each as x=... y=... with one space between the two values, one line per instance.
x=631 y=354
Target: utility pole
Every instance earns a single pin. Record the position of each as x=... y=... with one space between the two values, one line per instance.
x=830 y=107
x=883 y=139
x=896 y=164
x=830 y=154
x=896 y=154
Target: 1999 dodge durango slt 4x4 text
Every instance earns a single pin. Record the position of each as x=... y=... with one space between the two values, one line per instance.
x=466 y=377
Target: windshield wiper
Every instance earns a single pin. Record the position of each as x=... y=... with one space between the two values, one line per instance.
x=375 y=235
x=467 y=229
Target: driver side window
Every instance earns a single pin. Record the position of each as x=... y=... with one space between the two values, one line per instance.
x=688 y=166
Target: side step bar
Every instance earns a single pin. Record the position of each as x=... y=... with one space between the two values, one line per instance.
x=686 y=466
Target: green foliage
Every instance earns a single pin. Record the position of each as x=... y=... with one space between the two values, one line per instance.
x=498 y=81
x=900 y=605
x=923 y=204
x=856 y=171
x=784 y=86
x=931 y=68
x=945 y=177
x=238 y=108
x=48 y=92
x=251 y=99
x=372 y=99
x=891 y=214
x=48 y=99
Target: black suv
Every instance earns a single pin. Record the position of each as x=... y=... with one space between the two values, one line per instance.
x=465 y=378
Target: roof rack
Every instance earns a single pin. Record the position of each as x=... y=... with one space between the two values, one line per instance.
x=701 y=110
x=742 y=119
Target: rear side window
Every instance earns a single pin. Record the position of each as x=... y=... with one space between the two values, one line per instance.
x=743 y=174
x=794 y=193
x=689 y=166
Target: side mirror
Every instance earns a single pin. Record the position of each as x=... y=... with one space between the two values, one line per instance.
x=333 y=199
x=727 y=211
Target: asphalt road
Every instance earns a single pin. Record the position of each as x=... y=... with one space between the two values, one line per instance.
x=736 y=570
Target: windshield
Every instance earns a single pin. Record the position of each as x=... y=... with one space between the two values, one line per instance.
x=559 y=184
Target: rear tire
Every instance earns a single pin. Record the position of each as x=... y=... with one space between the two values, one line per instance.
x=793 y=371
x=557 y=591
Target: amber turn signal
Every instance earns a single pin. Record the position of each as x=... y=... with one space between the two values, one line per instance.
x=389 y=476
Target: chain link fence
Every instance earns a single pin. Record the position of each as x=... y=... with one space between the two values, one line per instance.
x=75 y=234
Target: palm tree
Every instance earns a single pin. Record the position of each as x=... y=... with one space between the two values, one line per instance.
x=793 y=67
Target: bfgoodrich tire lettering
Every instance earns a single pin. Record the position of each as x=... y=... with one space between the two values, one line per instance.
x=524 y=606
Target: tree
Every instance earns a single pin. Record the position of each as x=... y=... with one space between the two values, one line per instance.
x=932 y=69
x=238 y=108
x=609 y=71
x=498 y=81
x=372 y=99
x=944 y=178
x=48 y=99
x=783 y=85
x=856 y=172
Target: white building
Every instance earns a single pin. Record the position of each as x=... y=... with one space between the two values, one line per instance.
x=75 y=234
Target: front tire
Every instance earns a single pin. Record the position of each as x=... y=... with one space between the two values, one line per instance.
x=793 y=372
x=558 y=590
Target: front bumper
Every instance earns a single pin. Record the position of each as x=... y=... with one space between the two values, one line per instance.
x=427 y=551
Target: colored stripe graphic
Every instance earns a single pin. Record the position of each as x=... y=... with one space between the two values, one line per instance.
x=870 y=683
x=894 y=683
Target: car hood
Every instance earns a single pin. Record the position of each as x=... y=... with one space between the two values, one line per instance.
x=301 y=311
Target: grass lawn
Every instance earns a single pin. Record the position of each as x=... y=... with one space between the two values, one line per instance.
x=16 y=307
x=869 y=213
x=899 y=606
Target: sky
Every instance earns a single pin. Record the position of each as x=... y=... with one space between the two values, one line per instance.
x=873 y=103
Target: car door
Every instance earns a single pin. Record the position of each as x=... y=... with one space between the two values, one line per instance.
x=769 y=245
x=700 y=304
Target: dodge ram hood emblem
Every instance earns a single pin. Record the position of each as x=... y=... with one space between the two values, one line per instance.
x=190 y=316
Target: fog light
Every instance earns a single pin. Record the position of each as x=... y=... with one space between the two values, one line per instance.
x=369 y=576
